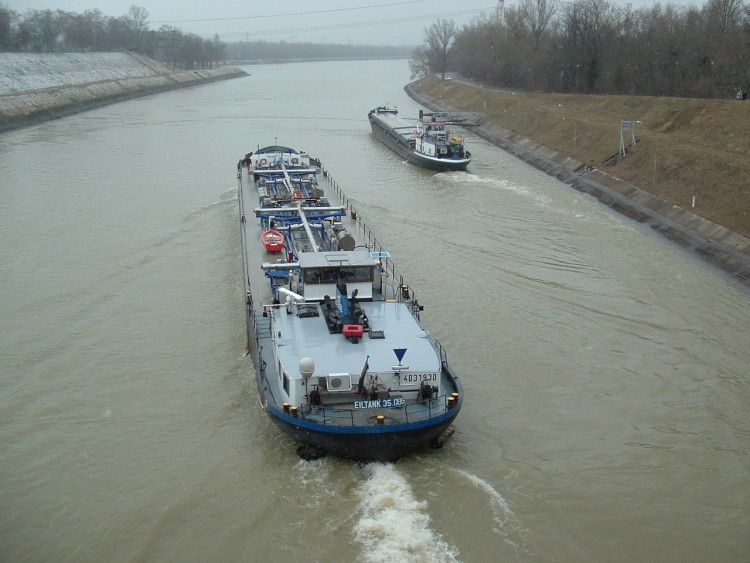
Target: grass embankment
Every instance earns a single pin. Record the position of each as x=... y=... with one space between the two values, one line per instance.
x=685 y=147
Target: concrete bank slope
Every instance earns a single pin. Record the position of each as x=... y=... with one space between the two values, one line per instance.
x=36 y=87
x=720 y=246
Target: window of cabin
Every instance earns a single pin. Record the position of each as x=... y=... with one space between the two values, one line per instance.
x=357 y=274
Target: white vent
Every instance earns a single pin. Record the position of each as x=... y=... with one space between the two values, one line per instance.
x=339 y=382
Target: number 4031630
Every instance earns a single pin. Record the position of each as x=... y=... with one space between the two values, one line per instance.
x=418 y=377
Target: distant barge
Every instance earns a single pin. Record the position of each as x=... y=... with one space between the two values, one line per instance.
x=426 y=141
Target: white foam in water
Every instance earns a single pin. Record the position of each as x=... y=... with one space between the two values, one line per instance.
x=508 y=526
x=314 y=479
x=496 y=499
x=499 y=183
x=394 y=526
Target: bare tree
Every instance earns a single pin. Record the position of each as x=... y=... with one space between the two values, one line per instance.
x=728 y=42
x=439 y=38
x=6 y=21
x=538 y=15
x=137 y=20
x=587 y=29
x=479 y=63
x=85 y=31
x=44 y=30
x=419 y=63
x=170 y=39
x=724 y=14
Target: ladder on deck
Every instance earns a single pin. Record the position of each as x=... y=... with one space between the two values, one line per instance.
x=262 y=326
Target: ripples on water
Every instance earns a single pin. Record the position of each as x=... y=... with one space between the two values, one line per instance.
x=605 y=369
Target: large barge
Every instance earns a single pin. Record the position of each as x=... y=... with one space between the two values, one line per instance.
x=427 y=141
x=343 y=363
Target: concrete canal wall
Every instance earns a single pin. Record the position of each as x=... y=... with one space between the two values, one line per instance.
x=724 y=248
x=36 y=87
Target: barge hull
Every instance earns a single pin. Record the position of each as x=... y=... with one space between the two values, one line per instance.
x=334 y=424
x=381 y=446
x=399 y=144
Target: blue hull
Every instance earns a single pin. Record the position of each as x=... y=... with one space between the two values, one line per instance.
x=365 y=443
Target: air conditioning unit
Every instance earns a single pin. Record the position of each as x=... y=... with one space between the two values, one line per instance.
x=339 y=382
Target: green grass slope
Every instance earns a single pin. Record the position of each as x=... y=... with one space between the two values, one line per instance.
x=685 y=147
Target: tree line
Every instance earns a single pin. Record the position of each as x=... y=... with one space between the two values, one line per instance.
x=283 y=50
x=58 y=31
x=596 y=47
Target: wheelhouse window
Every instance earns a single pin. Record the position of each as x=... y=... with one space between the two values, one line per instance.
x=357 y=274
x=331 y=275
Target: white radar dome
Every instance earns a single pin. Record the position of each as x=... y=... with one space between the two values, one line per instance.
x=306 y=367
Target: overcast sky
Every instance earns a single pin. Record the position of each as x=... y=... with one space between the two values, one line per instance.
x=372 y=22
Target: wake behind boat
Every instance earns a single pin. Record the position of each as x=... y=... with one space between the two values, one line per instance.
x=427 y=141
x=343 y=363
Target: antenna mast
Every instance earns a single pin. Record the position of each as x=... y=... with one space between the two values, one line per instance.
x=501 y=11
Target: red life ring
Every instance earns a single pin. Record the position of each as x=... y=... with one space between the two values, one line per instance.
x=295 y=161
x=263 y=162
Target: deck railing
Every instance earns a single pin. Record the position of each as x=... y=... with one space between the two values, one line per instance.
x=412 y=412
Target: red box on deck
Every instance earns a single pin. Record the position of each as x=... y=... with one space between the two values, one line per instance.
x=353 y=330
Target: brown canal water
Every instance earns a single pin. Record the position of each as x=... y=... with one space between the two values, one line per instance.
x=606 y=370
